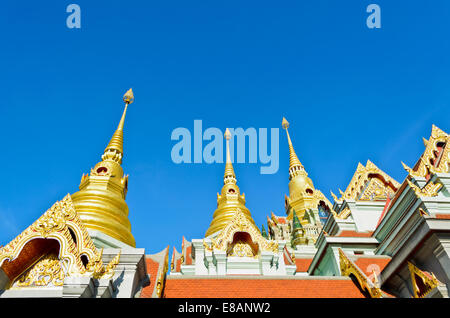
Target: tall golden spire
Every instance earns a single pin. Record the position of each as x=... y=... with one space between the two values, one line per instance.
x=301 y=187
x=101 y=199
x=229 y=175
x=115 y=146
x=230 y=198
x=295 y=166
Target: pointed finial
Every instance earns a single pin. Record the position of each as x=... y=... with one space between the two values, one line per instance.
x=423 y=213
x=128 y=97
x=229 y=175
x=340 y=191
x=425 y=142
x=335 y=198
x=227 y=134
x=114 y=150
x=285 y=123
x=408 y=169
x=436 y=132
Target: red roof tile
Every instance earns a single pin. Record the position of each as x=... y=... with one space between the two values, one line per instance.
x=261 y=288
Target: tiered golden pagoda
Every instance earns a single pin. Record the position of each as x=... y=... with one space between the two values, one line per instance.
x=100 y=202
x=229 y=199
x=302 y=194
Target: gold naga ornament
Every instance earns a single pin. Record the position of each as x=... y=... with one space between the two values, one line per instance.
x=72 y=252
x=422 y=283
x=100 y=202
x=229 y=198
x=431 y=189
x=349 y=268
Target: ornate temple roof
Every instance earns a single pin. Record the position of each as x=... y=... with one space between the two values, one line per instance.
x=36 y=256
x=368 y=183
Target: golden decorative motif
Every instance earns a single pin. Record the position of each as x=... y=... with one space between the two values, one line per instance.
x=335 y=198
x=242 y=249
x=436 y=157
x=62 y=223
x=162 y=276
x=375 y=190
x=240 y=223
x=348 y=268
x=207 y=247
x=107 y=271
x=344 y=213
x=426 y=284
x=369 y=183
x=48 y=271
x=429 y=190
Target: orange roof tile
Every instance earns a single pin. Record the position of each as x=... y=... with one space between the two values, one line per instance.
x=261 y=288
x=152 y=270
x=354 y=234
x=442 y=216
x=368 y=264
x=188 y=260
x=281 y=220
x=303 y=264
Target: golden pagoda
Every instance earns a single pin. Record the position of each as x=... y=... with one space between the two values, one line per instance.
x=100 y=202
x=229 y=199
x=301 y=188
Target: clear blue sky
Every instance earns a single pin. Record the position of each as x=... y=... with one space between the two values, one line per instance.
x=350 y=93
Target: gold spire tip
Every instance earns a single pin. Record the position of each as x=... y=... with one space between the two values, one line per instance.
x=227 y=134
x=128 y=97
x=285 y=123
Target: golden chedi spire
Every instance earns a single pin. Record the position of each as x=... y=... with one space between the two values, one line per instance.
x=101 y=199
x=294 y=163
x=116 y=143
x=301 y=188
x=229 y=198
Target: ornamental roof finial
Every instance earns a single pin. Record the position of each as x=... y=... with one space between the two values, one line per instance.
x=114 y=150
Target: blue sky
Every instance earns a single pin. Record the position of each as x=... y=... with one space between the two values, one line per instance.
x=350 y=93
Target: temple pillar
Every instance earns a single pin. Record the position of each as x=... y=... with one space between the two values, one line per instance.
x=221 y=262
